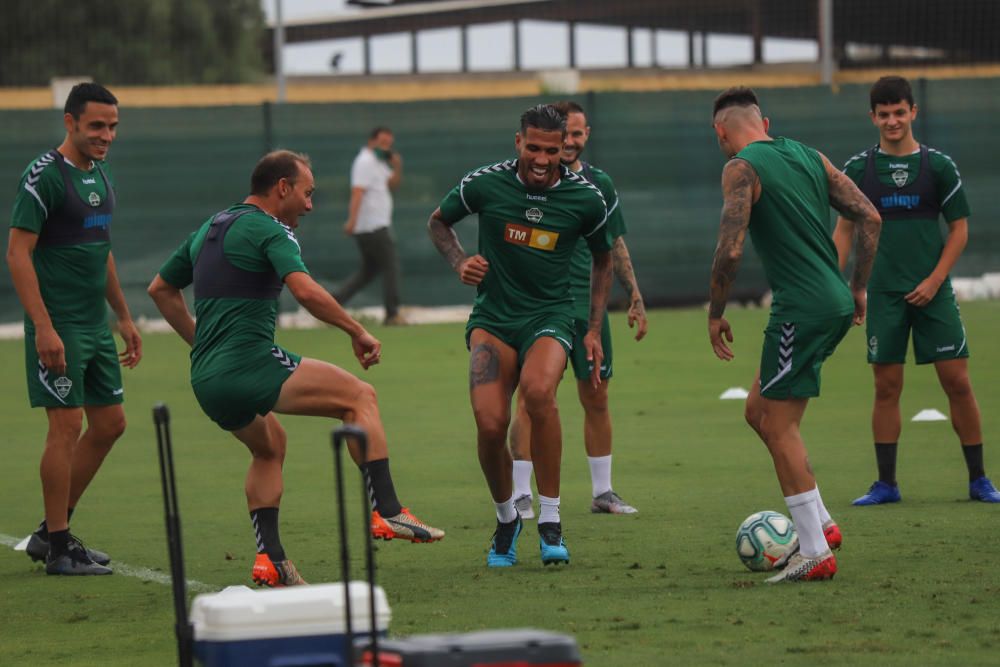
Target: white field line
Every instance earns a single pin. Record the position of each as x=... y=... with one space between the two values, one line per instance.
x=143 y=573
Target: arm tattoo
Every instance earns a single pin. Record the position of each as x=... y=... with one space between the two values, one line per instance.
x=445 y=240
x=622 y=263
x=738 y=183
x=852 y=204
x=600 y=288
x=484 y=366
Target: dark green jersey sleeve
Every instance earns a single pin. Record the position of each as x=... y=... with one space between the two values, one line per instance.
x=178 y=270
x=40 y=191
x=280 y=246
x=466 y=198
x=948 y=183
x=616 y=219
x=595 y=225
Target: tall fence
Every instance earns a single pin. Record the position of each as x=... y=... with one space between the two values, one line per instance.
x=176 y=167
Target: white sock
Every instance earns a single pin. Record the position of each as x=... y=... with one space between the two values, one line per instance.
x=805 y=516
x=522 y=478
x=600 y=474
x=505 y=511
x=824 y=516
x=548 y=509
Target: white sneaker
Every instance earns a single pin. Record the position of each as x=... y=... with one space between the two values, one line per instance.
x=800 y=568
x=610 y=502
x=523 y=505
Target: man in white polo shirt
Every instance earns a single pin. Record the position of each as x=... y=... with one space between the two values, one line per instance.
x=376 y=171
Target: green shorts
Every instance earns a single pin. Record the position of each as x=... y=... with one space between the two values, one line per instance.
x=938 y=332
x=794 y=352
x=93 y=375
x=521 y=334
x=582 y=367
x=233 y=397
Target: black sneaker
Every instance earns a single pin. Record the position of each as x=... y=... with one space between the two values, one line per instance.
x=38 y=549
x=551 y=543
x=74 y=562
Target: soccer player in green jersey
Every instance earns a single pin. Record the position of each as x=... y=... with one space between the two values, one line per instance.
x=781 y=191
x=596 y=418
x=532 y=211
x=239 y=261
x=913 y=186
x=59 y=254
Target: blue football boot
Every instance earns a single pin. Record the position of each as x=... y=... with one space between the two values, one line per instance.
x=551 y=543
x=880 y=493
x=982 y=489
x=503 y=549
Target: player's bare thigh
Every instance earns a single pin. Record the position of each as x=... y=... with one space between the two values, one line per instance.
x=321 y=389
x=492 y=378
x=543 y=368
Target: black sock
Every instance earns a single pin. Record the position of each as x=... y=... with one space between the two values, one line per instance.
x=885 y=458
x=265 y=528
x=381 y=491
x=58 y=542
x=974 y=460
x=43 y=528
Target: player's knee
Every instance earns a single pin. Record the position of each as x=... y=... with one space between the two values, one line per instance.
x=888 y=390
x=752 y=415
x=492 y=426
x=957 y=386
x=594 y=401
x=539 y=399
x=65 y=426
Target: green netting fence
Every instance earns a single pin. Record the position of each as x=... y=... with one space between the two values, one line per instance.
x=177 y=166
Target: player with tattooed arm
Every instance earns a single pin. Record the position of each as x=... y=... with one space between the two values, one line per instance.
x=781 y=191
x=532 y=211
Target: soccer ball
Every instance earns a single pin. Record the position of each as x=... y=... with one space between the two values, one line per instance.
x=764 y=538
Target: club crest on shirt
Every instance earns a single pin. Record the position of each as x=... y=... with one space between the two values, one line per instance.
x=899 y=177
x=539 y=239
x=62 y=385
x=94 y=199
x=534 y=215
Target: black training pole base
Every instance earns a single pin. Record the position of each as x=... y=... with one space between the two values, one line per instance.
x=182 y=628
x=339 y=437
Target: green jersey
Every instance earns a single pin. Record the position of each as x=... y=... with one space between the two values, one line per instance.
x=790 y=229
x=911 y=193
x=579 y=268
x=228 y=329
x=528 y=237
x=70 y=210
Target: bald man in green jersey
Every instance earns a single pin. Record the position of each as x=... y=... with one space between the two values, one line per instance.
x=594 y=399
x=782 y=191
x=60 y=259
x=532 y=212
x=913 y=186
x=238 y=262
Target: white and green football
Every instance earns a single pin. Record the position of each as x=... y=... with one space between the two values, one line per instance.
x=764 y=539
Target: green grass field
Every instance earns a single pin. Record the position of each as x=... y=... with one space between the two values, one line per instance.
x=918 y=583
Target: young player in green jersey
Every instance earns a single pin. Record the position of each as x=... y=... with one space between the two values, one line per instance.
x=238 y=262
x=913 y=186
x=532 y=211
x=596 y=418
x=781 y=191
x=59 y=254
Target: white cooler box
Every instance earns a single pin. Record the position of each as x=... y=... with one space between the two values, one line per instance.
x=300 y=626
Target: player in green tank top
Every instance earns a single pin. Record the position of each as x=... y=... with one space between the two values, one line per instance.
x=238 y=262
x=596 y=418
x=532 y=211
x=782 y=191
x=913 y=187
x=59 y=254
